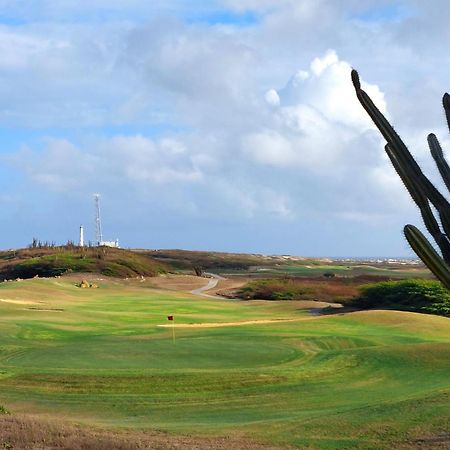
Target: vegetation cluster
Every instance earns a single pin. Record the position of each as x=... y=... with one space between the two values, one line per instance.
x=54 y=261
x=292 y=288
x=424 y=296
x=415 y=295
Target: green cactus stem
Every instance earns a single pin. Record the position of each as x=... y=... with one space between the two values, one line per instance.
x=422 y=191
x=428 y=254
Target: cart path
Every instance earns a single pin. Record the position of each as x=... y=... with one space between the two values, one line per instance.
x=212 y=283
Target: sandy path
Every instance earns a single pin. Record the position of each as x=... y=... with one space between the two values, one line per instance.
x=18 y=302
x=232 y=324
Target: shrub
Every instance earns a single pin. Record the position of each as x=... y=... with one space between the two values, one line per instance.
x=329 y=275
x=3 y=410
x=274 y=289
x=426 y=296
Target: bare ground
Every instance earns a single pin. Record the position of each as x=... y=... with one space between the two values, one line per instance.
x=184 y=283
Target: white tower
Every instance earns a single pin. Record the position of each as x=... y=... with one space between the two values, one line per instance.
x=81 y=236
x=98 y=223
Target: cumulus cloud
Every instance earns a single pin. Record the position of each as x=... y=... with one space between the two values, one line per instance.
x=316 y=123
x=222 y=123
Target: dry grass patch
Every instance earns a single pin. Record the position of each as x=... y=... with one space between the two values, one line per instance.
x=33 y=433
x=185 y=283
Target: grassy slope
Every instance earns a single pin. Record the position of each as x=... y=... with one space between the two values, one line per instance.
x=26 y=263
x=355 y=380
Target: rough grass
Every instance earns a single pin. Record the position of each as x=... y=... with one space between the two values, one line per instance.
x=370 y=379
x=48 y=262
x=27 y=432
x=289 y=288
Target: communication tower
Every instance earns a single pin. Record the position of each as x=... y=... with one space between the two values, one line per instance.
x=98 y=227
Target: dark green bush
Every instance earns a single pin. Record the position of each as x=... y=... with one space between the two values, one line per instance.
x=425 y=296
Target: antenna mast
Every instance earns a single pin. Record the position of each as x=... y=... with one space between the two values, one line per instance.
x=98 y=223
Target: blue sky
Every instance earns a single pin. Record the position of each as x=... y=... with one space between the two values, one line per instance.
x=226 y=125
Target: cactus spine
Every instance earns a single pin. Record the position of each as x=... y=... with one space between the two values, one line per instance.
x=422 y=191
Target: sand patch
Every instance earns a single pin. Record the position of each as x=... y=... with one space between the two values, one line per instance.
x=229 y=324
x=18 y=302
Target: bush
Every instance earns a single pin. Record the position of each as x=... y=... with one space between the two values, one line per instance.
x=329 y=275
x=274 y=289
x=3 y=410
x=425 y=296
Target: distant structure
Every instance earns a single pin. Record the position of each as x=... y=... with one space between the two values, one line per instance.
x=98 y=223
x=98 y=227
x=81 y=236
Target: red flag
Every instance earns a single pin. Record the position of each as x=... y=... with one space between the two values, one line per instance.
x=169 y=317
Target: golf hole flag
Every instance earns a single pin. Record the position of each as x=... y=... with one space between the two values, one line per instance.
x=173 y=328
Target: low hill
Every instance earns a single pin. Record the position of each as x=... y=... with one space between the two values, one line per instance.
x=257 y=265
x=187 y=259
x=53 y=261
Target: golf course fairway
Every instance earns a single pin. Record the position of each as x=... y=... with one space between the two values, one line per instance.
x=372 y=379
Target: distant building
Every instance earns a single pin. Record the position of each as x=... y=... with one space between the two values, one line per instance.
x=114 y=244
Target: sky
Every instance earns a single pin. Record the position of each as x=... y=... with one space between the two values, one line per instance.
x=226 y=125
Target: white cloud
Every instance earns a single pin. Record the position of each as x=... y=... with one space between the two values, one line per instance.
x=272 y=97
x=195 y=116
x=317 y=121
x=269 y=147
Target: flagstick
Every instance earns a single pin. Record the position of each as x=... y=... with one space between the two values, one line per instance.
x=173 y=330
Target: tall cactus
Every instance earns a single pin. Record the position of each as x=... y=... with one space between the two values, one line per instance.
x=422 y=191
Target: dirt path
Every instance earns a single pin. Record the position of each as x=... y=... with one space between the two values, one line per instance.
x=212 y=283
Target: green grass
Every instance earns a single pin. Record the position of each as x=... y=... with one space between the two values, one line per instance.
x=370 y=379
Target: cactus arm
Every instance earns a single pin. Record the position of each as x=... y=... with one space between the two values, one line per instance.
x=446 y=105
x=428 y=254
x=438 y=156
x=403 y=154
x=424 y=206
x=381 y=122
